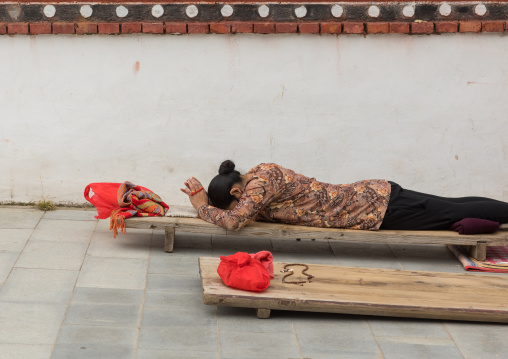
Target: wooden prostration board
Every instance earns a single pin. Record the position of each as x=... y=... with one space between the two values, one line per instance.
x=478 y=243
x=367 y=291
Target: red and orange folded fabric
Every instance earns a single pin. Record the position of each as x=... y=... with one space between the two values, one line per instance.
x=496 y=261
x=135 y=201
x=124 y=200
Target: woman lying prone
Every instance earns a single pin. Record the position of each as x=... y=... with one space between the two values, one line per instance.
x=271 y=193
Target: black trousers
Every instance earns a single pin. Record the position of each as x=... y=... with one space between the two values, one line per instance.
x=410 y=210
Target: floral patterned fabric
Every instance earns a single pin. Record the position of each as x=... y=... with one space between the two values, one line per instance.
x=277 y=194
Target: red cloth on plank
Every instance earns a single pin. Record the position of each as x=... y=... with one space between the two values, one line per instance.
x=241 y=271
x=266 y=260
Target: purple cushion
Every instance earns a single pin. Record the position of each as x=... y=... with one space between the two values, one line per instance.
x=475 y=226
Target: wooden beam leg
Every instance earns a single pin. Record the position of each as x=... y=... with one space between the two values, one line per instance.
x=169 y=240
x=479 y=252
x=263 y=313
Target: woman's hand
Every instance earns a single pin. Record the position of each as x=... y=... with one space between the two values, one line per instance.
x=198 y=199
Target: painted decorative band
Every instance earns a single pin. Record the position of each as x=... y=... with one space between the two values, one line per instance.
x=206 y=13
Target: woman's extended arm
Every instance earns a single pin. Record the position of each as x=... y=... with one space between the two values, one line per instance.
x=257 y=196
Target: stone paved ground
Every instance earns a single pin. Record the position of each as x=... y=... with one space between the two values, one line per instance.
x=70 y=290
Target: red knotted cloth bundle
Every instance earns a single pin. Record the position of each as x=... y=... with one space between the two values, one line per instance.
x=242 y=271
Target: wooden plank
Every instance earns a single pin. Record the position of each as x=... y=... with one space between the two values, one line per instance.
x=275 y=230
x=192 y=225
x=368 y=291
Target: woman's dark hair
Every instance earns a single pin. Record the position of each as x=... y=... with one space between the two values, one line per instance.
x=220 y=187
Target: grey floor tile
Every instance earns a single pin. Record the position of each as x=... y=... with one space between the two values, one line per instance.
x=173 y=283
x=184 y=240
x=176 y=354
x=243 y=345
x=133 y=244
x=156 y=299
x=335 y=336
x=196 y=315
x=102 y=231
x=13 y=217
x=480 y=340
x=85 y=295
x=190 y=240
x=53 y=255
x=227 y=245
x=39 y=286
x=245 y=320
x=401 y=327
x=370 y=255
x=179 y=338
x=30 y=323
x=174 y=264
x=98 y=335
x=103 y=226
x=93 y=350
x=25 y=351
x=63 y=231
x=418 y=348
x=303 y=251
x=122 y=273
x=185 y=244
x=72 y=214
x=7 y=261
x=301 y=246
x=184 y=251
x=14 y=240
x=426 y=257
x=103 y=315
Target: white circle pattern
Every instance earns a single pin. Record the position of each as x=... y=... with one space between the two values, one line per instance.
x=122 y=11
x=445 y=9
x=374 y=11
x=49 y=11
x=226 y=10
x=408 y=11
x=337 y=10
x=263 y=11
x=192 y=11
x=480 y=10
x=86 y=11
x=301 y=11
x=157 y=11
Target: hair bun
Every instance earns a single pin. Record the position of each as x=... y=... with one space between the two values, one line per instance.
x=226 y=167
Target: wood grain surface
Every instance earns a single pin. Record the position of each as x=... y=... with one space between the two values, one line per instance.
x=367 y=291
x=275 y=230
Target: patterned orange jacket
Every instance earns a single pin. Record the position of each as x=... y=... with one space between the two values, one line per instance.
x=278 y=194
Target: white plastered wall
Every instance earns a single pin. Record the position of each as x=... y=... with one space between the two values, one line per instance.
x=428 y=112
